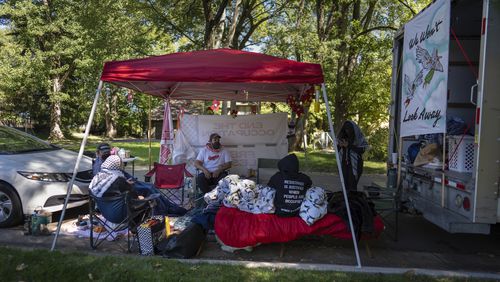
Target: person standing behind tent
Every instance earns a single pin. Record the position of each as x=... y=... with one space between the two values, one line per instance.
x=351 y=146
x=213 y=161
x=290 y=186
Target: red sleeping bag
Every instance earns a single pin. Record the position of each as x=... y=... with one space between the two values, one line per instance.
x=240 y=229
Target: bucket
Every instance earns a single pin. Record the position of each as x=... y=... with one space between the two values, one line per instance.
x=39 y=222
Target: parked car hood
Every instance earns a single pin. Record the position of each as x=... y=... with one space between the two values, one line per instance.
x=59 y=160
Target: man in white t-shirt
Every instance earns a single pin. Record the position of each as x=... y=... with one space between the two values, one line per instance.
x=212 y=161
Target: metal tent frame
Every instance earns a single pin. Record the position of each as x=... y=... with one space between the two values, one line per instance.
x=265 y=91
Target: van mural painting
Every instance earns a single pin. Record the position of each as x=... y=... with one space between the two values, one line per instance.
x=425 y=71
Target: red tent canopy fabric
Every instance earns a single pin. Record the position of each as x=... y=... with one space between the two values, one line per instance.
x=223 y=74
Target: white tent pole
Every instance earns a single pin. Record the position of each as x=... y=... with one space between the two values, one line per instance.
x=77 y=164
x=334 y=139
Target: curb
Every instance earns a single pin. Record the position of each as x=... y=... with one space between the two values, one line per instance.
x=348 y=268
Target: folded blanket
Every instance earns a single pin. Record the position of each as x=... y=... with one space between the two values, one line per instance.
x=243 y=194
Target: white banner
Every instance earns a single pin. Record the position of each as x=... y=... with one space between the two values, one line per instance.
x=425 y=71
x=246 y=137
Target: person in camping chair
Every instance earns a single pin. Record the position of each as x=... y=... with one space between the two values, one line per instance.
x=110 y=180
x=290 y=185
x=213 y=161
x=102 y=153
x=351 y=146
x=143 y=189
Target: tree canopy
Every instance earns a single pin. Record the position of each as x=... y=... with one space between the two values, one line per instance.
x=52 y=52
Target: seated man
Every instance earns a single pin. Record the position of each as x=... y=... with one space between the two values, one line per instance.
x=213 y=161
x=164 y=206
x=102 y=153
x=290 y=186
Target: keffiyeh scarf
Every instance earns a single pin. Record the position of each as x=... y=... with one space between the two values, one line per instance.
x=110 y=171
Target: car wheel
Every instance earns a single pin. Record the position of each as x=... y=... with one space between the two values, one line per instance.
x=10 y=207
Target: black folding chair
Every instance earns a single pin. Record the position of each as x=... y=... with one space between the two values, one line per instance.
x=117 y=213
x=387 y=203
x=263 y=163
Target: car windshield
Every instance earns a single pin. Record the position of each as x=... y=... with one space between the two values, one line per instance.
x=13 y=141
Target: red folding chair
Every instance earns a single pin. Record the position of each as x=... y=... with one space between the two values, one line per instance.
x=169 y=179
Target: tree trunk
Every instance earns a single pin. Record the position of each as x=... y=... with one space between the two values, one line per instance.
x=339 y=116
x=299 y=135
x=234 y=22
x=212 y=21
x=300 y=130
x=55 y=111
x=110 y=114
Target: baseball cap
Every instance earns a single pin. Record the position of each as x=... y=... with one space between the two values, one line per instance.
x=104 y=148
x=213 y=135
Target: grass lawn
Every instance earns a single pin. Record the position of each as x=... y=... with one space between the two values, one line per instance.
x=139 y=148
x=318 y=161
x=42 y=265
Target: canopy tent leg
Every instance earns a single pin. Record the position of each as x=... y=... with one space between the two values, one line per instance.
x=149 y=132
x=330 y=123
x=167 y=134
x=77 y=164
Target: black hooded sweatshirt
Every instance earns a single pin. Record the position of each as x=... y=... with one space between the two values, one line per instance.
x=290 y=186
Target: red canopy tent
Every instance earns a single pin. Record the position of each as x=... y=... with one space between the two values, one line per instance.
x=223 y=74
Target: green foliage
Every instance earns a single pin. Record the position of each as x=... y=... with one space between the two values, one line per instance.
x=378 y=145
x=68 y=41
x=354 y=49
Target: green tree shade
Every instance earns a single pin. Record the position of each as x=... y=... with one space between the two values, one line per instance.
x=352 y=40
x=56 y=52
x=53 y=51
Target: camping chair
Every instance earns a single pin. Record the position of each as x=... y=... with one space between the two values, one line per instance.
x=199 y=202
x=117 y=214
x=266 y=164
x=387 y=201
x=169 y=179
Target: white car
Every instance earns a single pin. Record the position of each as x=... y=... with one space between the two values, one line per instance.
x=35 y=174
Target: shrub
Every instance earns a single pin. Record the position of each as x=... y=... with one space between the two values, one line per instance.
x=378 y=145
